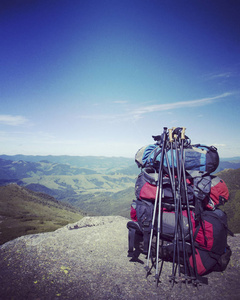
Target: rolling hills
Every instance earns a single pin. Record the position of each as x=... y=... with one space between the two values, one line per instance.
x=88 y=190
x=23 y=211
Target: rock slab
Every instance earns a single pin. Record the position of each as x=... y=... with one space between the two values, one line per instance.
x=88 y=260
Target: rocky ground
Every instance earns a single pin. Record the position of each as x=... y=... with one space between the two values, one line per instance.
x=88 y=260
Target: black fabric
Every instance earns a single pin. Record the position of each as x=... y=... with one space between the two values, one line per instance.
x=223 y=260
x=133 y=227
x=144 y=210
x=212 y=159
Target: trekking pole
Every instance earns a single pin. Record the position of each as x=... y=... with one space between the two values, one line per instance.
x=194 y=278
x=172 y=277
x=158 y=195
x=178 y=216
x=160 y=201
x=180 y=219
x=181 y=216
x=180 y=204
x=177 y=193
x=172 y=157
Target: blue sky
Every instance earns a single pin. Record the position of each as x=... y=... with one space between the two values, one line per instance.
x=101 y=77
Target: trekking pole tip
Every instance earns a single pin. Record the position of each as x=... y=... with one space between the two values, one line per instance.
x=157 y=279
x=146 y=268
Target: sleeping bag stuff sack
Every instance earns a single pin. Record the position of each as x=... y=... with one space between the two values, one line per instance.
x=197 y=157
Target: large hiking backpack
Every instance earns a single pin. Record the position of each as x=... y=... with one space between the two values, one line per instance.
x=204 y=191
x=210 y=233
x=141 y=215
x=197 y=157
x=146 y=188
x=210 y=236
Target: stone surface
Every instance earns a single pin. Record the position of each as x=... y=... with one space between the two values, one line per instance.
x=88 y=260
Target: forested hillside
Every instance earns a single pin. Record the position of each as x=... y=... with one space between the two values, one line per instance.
x=232 y=208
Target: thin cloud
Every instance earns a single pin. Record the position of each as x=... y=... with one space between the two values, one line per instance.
x=219 y=75
x=137 y=114
x=12 y=120
x=176 y=105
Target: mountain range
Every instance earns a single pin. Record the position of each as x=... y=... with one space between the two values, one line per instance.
x=97 y=185
x=88 y=189
x=102 y=164
x=99 y=164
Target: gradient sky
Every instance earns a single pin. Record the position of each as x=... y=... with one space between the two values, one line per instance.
x=101 y=77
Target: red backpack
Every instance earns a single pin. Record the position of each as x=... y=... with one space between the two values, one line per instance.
x=211 y=232
x=219 y=194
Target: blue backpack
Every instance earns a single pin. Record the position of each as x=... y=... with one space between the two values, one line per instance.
x=197 y=157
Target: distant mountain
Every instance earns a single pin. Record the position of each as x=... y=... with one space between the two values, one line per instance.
x=232 y=159
x=23 y=211
x=100 y=164
x=228 y=163
x=14 y=170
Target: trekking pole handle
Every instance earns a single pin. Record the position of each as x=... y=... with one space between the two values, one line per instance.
x=183 y=133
